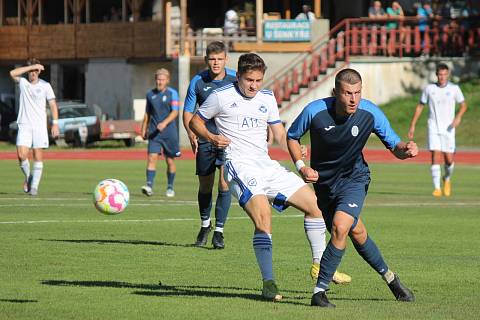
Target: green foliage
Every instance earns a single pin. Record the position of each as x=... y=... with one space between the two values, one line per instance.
x=61 y=259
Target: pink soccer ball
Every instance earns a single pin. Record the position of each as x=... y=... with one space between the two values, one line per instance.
x=111 y=196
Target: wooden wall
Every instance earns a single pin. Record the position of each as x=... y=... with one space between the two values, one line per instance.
x=83 y=41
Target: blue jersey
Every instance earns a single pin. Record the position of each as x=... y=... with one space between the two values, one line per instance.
x=337 y=143
x=159 y=106
x=200 y=88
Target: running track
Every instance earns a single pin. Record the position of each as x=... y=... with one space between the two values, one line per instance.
x=384 y=156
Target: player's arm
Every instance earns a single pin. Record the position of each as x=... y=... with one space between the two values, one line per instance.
x=199 y=127
x=52 y=103
x=279 y=134
x=405 y=150
x=17 y=72
x=188 y=110
x=458 y=117
x=416 y=116
x=146 y=119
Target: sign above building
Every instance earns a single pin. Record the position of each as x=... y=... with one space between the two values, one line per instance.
x=287 y=30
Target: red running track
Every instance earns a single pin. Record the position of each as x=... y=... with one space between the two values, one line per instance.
x=469 y=157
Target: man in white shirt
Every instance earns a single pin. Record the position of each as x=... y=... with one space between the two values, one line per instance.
x=306 y=14
x=442 y=121
x=242 y=112
x=32 y=121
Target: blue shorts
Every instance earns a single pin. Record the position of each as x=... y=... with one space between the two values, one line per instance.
x=208 y=159
x=348 y=196
x=169 y=146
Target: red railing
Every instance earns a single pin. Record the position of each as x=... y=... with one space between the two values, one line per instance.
x=373 y=37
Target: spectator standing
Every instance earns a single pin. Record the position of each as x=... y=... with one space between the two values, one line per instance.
x=306 y=14
x=376 y=11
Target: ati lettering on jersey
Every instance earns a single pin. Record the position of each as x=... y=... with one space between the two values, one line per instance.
x=247 y=123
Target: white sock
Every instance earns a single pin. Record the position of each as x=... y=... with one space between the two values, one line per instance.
x=436 y=174
x=219 y=229
x=315 y=232
x=262 y=245
x=448 y=170
x=25 y=166
x=205 y=223
x=317 y=290
x=388 y=276
x=36 y=174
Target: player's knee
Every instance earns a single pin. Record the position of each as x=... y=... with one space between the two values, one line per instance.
x=340 y=230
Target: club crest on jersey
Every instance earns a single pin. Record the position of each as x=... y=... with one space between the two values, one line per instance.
x=252 y=182
x=354 y=131
x=164 y=98
x=263 y=109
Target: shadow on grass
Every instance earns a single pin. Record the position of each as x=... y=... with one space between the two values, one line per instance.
x=134 y=242
x=18 y=301
x=162 y=290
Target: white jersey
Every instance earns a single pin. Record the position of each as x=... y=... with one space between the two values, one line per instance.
x=33 y=99
x=441 y=102
x=243 y=120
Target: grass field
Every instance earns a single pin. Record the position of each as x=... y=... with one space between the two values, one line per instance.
x=61 y=259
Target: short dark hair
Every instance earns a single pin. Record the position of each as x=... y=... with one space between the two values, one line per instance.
x=216 y=47
x=32 y=61
x=442 y=66
x=349 y=76
x=250 y=61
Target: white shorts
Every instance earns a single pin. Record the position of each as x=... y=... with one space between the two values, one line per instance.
x=247 y=178
x=31 y=137
x=444 y=142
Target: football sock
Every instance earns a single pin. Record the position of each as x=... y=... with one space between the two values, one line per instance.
x=449 y=170
x=371 y=254
x=206 y=223
x=315 y=231
x=204 y=204
x=150 y=177
x=436 y=173
x=25 y=166
x=219 y=229
x=262 y=245
x=330 y=260
x=171 y=179
x=224 y=198
x=36 y=174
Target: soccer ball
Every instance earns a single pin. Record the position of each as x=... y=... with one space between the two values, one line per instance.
x=111 y=196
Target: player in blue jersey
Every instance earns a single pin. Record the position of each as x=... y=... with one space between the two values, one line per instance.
x=208 y=157
x=160 y=128
x=339 y=128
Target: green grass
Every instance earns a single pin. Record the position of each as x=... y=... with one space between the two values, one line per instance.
x=61 y=259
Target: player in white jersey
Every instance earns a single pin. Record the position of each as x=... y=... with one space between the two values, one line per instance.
x=32 y=121
x=242 y=113
x=442 y=121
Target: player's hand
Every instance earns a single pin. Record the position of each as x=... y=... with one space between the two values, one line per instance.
x=219 y=141
x=411 y=149
x=161 y=126
x=308 y=174
x=193 y=142
x=455 y=123
x=38 y=67
x=55 y=131
x=411 y=132
x=304 y=150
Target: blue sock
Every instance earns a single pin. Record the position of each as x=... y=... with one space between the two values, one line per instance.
x=204 y=204
x=224 y=198
x=171 y=179
x=150 y=177
x=370 y=253
x=328 y=265
x=262 y=245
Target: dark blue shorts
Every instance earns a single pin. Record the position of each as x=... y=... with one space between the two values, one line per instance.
x=168 y=146
x=208 y=159
x=348 y=196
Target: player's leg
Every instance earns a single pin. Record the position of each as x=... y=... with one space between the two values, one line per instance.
x=222 y=205
x=39 y=142
x=24 y=143
x=153 y=149
x=435 y=146
x=171 y=172
x=205 y=170
x=449 y=166
x=369 y=251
